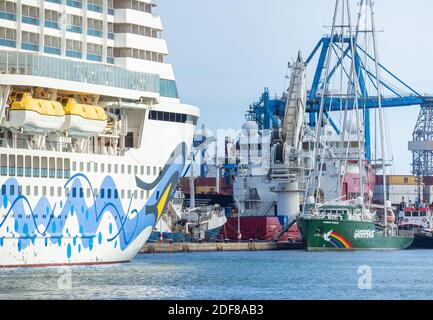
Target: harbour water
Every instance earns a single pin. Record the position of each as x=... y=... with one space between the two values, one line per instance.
x=233 y=275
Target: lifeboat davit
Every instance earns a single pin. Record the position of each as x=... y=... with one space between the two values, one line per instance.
x=83 y=120
x=37 y=116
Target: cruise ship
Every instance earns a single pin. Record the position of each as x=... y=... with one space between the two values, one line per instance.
x=93 y=135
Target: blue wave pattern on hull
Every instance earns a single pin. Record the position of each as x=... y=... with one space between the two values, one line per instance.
x=44 y=221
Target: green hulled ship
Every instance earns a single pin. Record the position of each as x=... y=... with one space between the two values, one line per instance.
x=344 y=226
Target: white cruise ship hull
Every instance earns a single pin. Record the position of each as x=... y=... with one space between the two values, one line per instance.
x=96 y=215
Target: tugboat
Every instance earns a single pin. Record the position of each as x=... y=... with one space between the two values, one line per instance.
x=419 y=222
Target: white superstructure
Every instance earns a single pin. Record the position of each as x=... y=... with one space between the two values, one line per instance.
x=93 y=136
x=254 y=191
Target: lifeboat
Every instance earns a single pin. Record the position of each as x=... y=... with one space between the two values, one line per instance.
x=83 y=120
x=35 y=116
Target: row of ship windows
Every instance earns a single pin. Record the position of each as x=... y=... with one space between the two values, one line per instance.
x=134 y=5
x=31 y=11
x=173 y=117
x=28 y=166
x=92 y=5
x=30 y=15
x=50 y=167
x=415 y=214
x=138 y=54
x=52 y=45
x=96 y=5
x=75 y=23
x=107 y=194
x=53 y=42
x=93 y=167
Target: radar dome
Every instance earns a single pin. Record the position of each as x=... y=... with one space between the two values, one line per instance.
x=311 y=200
x=251 y=128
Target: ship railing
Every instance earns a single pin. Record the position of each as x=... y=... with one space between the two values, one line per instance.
x=60 y=146
x=405 y=233
x=252 y=199
x=57 y=146
x=35 y=64
x=15 y=143
x=367 y=218
x=324 y=216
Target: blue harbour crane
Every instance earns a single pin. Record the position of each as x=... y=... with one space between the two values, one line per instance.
x=349 y=50
x=268 y=112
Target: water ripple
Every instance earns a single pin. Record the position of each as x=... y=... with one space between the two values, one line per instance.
x=234 y=275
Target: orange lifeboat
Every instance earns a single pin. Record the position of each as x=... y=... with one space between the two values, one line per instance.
x=36 y=116
x=83 y=120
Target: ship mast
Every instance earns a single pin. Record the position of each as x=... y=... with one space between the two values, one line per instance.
x=342 y=120
x=352 y=90
x=379 y=98
x=317 y=164
x=353 y=44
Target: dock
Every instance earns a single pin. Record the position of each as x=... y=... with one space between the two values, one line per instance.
x=211 y=247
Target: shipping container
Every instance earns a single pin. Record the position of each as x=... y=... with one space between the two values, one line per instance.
x=262 y=228
x=207 y=186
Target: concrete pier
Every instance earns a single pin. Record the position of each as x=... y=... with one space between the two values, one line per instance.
x=210 y=247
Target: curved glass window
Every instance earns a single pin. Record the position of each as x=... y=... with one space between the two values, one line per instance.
x=168 y=88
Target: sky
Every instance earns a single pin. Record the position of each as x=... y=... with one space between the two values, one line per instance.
x=225 y=52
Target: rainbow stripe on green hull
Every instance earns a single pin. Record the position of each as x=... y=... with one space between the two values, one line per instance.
x=347 y=235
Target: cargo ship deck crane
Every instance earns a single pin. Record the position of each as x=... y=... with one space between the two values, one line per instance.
x=286 y=167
